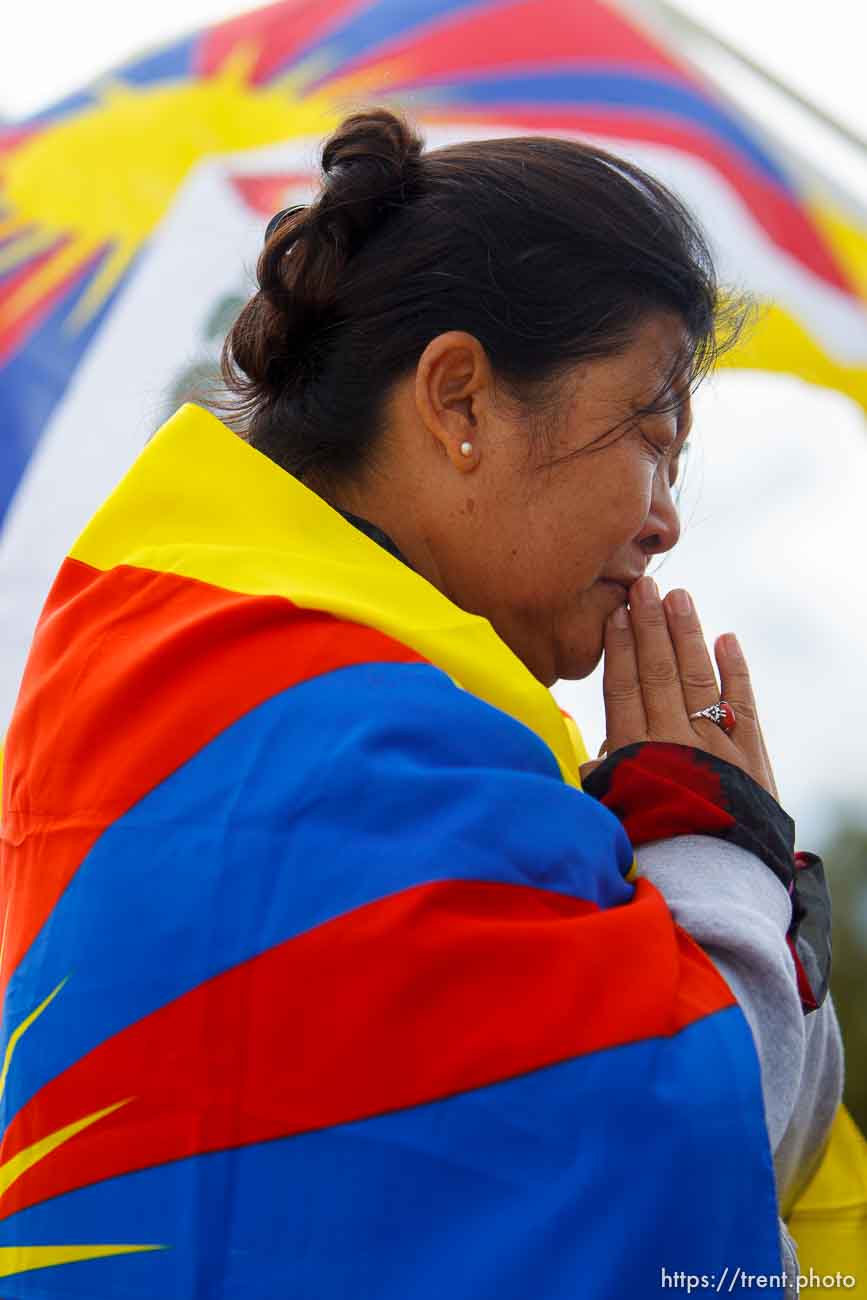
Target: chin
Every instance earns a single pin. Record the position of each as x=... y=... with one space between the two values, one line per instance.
x=565 y=657
x=576 y=672
x=576 y=661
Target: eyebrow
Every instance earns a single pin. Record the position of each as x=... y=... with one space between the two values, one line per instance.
x=671 y=397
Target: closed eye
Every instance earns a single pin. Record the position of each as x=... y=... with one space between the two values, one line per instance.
x=659 y=449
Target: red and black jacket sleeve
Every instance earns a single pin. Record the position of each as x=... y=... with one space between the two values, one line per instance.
x=661 y=790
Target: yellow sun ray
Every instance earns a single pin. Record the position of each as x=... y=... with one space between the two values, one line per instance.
x=294 y=83
x=236 y=70
x=376 y=78
x=23 y=1259
x=15 y=1168
x=113 y=93
x=11 y=226
x=100 y=287
x=25 y=247
x=17 y=1034
x=53 y=273
x=104 y=177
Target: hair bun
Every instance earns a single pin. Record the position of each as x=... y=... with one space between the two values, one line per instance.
x=370 y=166
x=377 y=136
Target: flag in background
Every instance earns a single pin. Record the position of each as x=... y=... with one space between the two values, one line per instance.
x=131 y=215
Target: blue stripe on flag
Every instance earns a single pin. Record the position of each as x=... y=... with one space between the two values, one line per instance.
x=371 y=25
x=608 y=88
x=170 y=63
x=78 y=102
x=353 y=786
x=584 y=1179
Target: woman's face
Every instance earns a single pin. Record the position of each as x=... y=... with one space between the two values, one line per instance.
x=545 y=544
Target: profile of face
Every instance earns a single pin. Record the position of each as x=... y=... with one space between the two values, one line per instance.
x=540 y=535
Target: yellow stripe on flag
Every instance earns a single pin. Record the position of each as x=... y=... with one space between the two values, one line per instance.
x=780 y=342
x=829 y=1222
x=201 y=503
x=23 y=1259
x=848 y=241
x=19 y=1164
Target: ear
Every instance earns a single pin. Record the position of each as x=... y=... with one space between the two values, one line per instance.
x=453 y=383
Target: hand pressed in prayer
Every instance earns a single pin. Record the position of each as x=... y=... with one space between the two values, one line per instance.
x=658 y=671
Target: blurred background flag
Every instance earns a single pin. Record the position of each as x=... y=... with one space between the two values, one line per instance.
x=131 y=214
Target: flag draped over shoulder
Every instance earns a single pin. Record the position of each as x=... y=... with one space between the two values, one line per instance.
x=126 y=243
x=320 y=975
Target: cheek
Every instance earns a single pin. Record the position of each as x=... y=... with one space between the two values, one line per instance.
x=559 y=545
x=624 y=513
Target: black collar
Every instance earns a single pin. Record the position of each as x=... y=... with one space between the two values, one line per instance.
x=376 y=535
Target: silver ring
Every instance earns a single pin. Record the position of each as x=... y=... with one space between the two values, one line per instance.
x=722 y=714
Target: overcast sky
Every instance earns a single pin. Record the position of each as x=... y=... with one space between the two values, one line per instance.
x=774 y=545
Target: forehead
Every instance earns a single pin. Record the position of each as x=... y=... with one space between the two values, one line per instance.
x=661 y=345
x=656 y=355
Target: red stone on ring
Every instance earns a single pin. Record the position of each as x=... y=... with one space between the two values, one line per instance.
x=727 y=716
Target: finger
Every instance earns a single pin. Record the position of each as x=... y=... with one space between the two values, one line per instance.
x=729 y=648
x=772 y=784
x=625 y=720
x=658 y=671
x=737 y=688
x=697 y=677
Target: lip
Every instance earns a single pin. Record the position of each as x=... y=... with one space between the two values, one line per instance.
x=624 y=583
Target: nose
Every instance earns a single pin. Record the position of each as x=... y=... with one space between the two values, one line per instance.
x=661 y=530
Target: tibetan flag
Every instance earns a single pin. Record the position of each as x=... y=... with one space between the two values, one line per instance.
x=131 y=214
x=321 y=977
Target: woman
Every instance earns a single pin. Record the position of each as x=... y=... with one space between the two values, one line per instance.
x=323 y=977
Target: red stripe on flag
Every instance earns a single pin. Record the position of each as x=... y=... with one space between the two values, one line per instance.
x=525 y=35
x=266 y=194
x=13 y=137
x=277 y=33
x=435 y=990
x=131 y=673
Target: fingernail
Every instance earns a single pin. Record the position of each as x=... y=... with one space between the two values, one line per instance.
x=731 y=645
x=646 y=591
x=680 y=602
x=620 y=618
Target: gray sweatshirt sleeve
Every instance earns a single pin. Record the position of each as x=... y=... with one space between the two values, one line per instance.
x=738 y=911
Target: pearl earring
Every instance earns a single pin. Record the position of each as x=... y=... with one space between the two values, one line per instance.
x=466 y=449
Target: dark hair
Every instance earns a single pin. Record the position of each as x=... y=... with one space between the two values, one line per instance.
x=550 y=252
